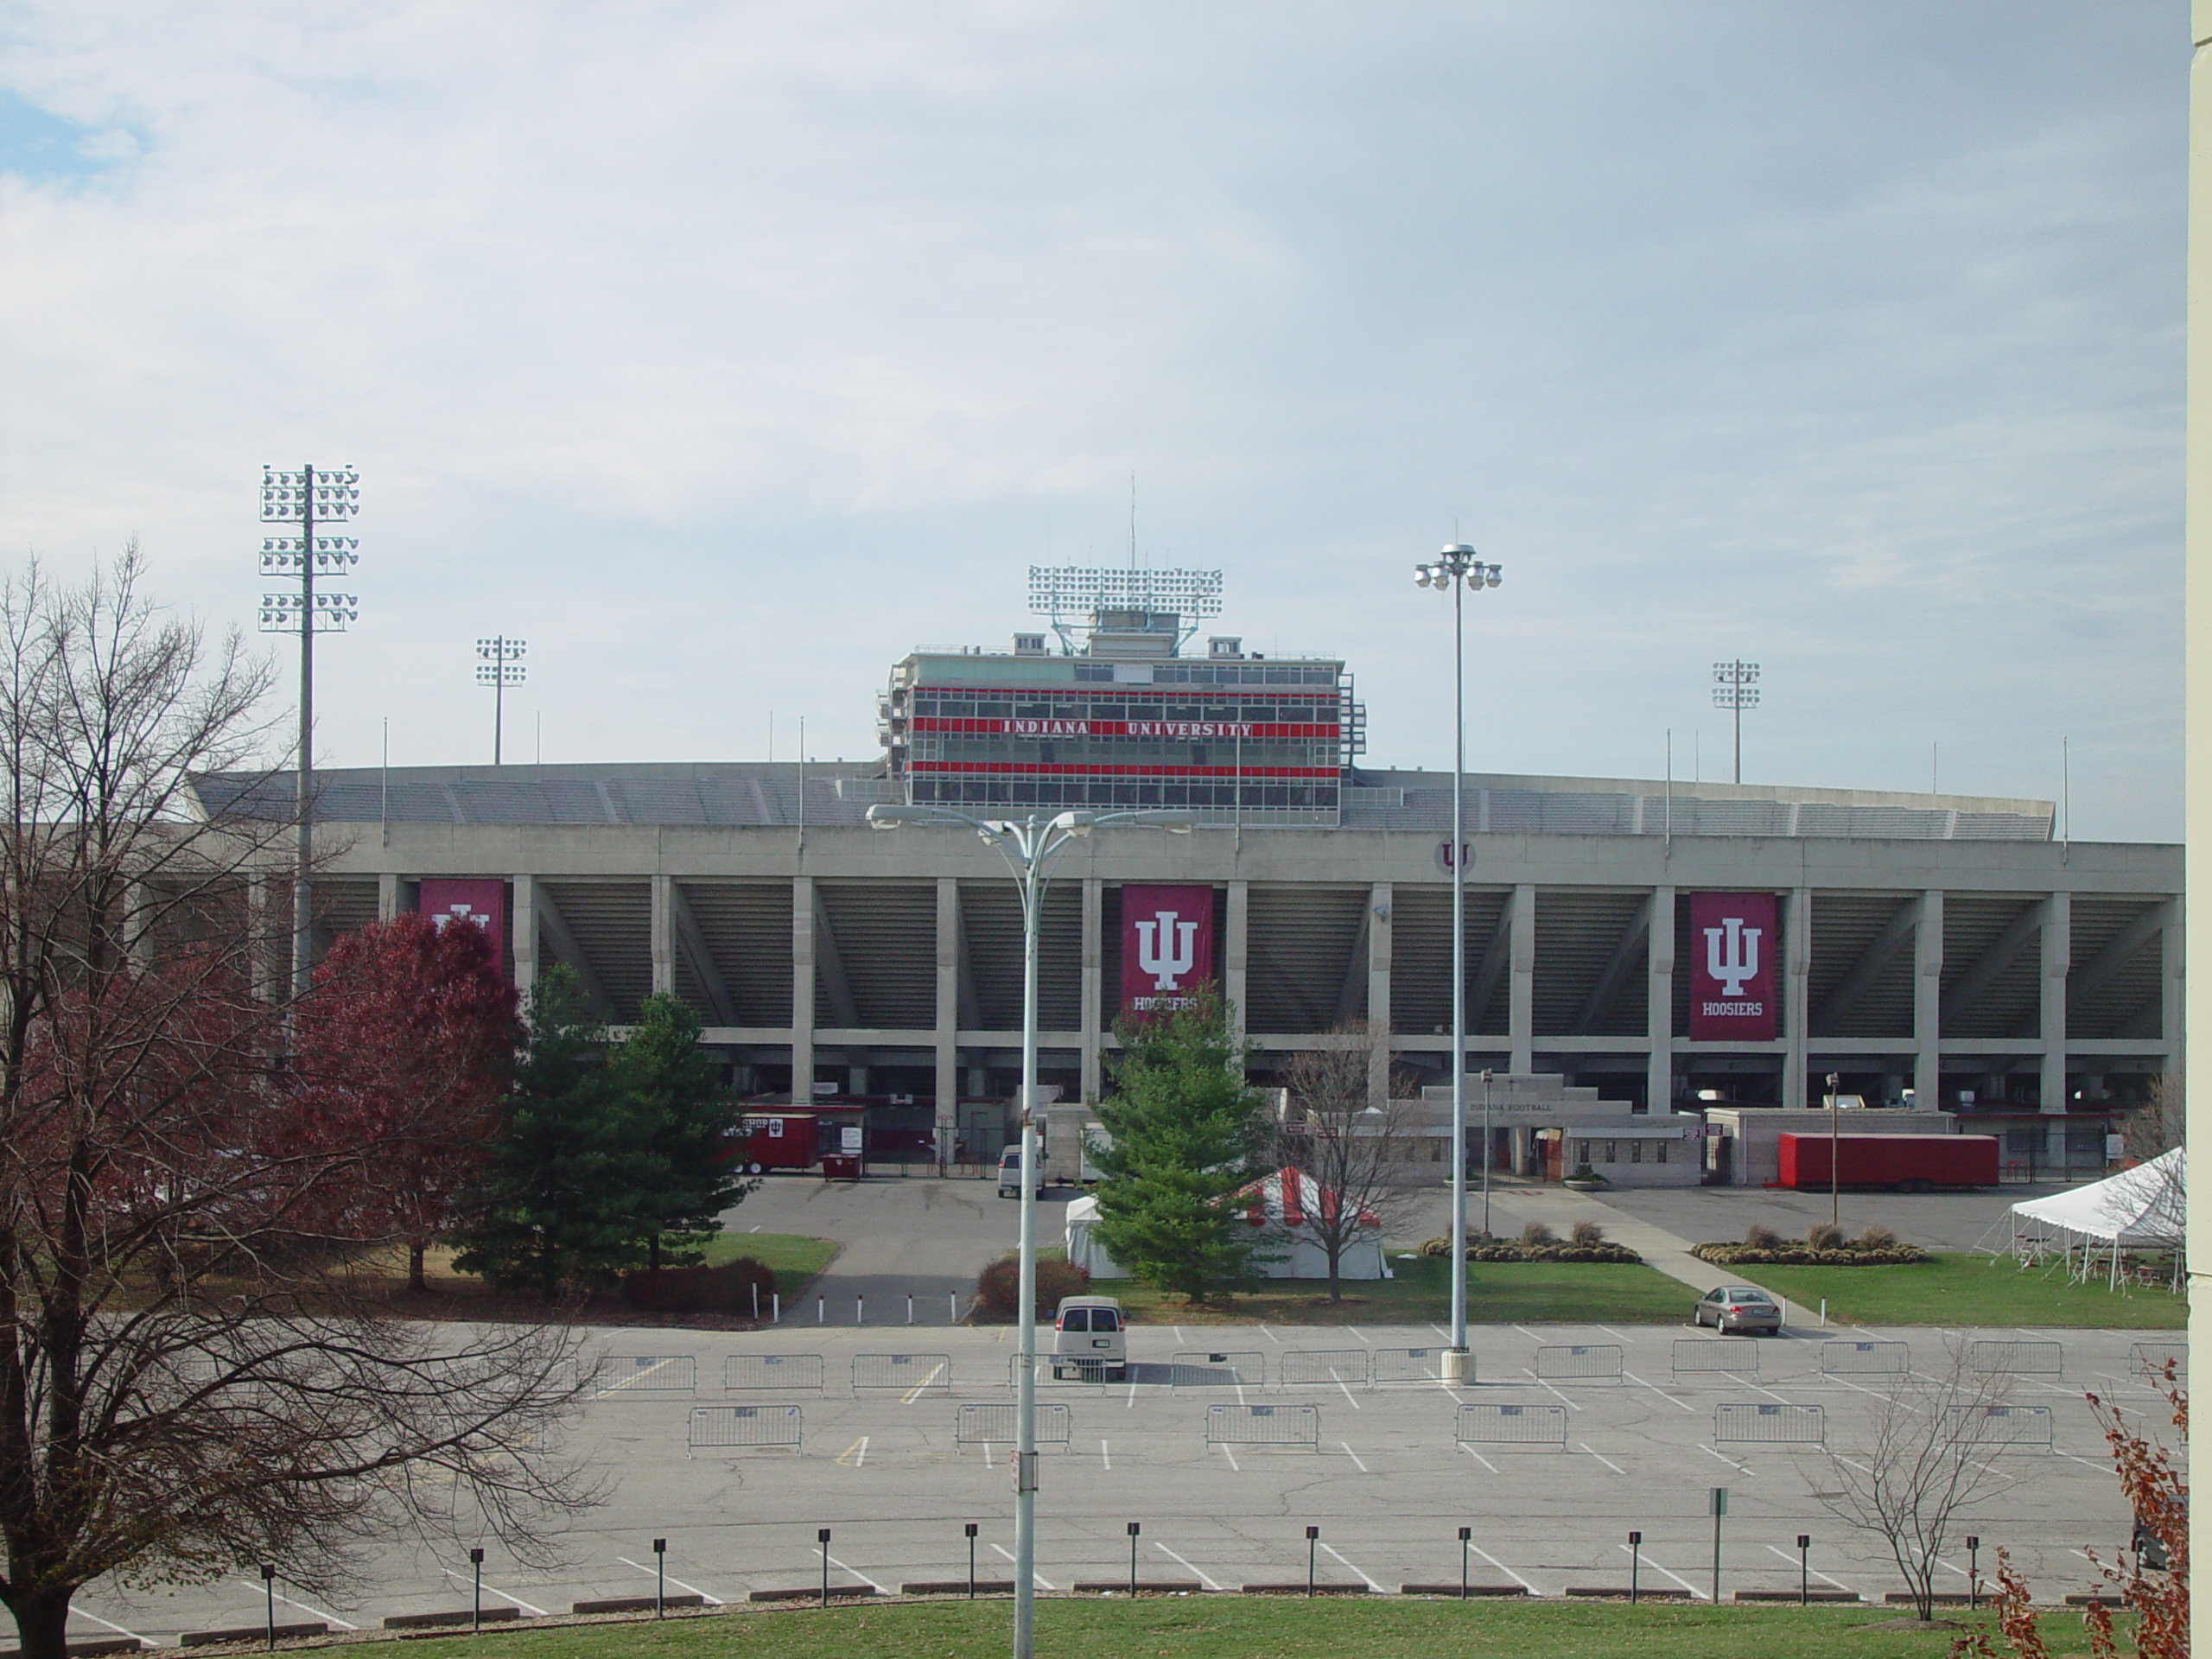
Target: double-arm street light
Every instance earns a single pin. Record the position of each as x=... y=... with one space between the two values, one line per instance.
x=1457 y=570
x=1028 y=846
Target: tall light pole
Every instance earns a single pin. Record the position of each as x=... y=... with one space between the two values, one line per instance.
x=502 y=667
x=1836 y=1218
x=1735 y=689
x=1029 y=846
x=307 y=498
x=1457 y=570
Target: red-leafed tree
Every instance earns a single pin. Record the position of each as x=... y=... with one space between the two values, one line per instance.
x=407 y=1043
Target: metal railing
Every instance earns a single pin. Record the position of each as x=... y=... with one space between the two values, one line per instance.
x=995 y=1425
x=1866 y=1359
x=1756 y=1424
x=1485 y=1424
x=2016 y=1358
x=1997 y=1428
x=2149 y=1359
x=911 y=1372
x=1263 y=1425
x=744 y=1428
x=1305 y=1367
x=1709 y=1356
x=1579 y=1363
x=638 y=1374
x=1194 y=1370
x=1403 y=1365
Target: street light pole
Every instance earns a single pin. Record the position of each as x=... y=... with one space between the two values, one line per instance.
x=1029 y=846
x=1457 y=569
x=1834 y=1144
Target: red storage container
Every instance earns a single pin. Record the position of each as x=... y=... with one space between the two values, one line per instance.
x=1912 y=1163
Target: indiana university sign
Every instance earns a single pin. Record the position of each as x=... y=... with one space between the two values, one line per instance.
x=1732 y=949
x=1167 y=947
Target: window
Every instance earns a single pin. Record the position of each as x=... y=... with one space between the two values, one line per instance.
x=1104 y=1318
x=1658 y=1151
x=1636 y=1152
x=1075 y=1319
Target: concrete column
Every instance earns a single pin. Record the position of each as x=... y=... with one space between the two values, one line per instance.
x=524 y=931
x=2172 y=1009
x=271 y=980
x=1233 y=959
x=802 y=989
x=1093 y=989
x=1928 y=1002
x=1796 y=1001
x=387 y=896
x=664 y=935
x=1659 y=1002
x=946 y=1125
x=1378 y=992
x=2057 y=960
x=1521 y=983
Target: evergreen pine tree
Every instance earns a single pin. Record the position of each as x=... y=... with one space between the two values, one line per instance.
x=1187 y=1133
x=669 y=1083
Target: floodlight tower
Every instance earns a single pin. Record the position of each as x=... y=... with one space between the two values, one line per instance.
x=1735 y=687
x=1459 y=570
x=307 y=497
x=502 y=667
x=1065 y=593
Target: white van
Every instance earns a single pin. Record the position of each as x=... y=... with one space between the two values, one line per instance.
x=1089 y=1333
x=1010 y=1174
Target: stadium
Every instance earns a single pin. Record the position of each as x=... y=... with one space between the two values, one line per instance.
x=1930 y=951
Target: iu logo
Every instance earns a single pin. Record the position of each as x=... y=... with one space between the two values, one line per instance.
x=460 y=913
x=1166 y=949
x=1732 y=954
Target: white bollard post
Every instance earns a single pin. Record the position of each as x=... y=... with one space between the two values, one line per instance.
x=952 y=1301
x=756 y=1301
x=821 y=1311
x=860 y=1310
x=775 y=1308
x=910 y=1307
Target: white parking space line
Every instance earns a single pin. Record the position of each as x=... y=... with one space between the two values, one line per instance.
x=248 y=1584
x=1231 y=1456
x=1178 y=1336
x=915 y=1393
x=1524 y=1330
x=2085 y=1462
x=880 y=1589
x=1725 y=1458
x=1106 y=1457
x=1816 y=1572
x=1196 y=1573
x=1453 y=1392
x=1479 y=1457
x=858 y=1452
x=79 y=1612
x=1440 y=1330
x=1853 y=1464
x=1571 y=1404
x=1033 y=1573
x=688 y=1589
x=637 y=1376
x=535 y=1612
x=1646 y=1557
x=1353 y=1455
x=1661 y=1392
x=1360 y=1337
x=1601 y=1456
x=1271 y=1336
x=1131 y=1402
x=1340 y=1382
x=1371 y=1585
x=1617 y=1336
x=1503 y=1569
x=1754 y=1387
x=1877 y=1393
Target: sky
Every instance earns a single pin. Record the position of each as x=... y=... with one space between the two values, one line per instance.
x=726 y=351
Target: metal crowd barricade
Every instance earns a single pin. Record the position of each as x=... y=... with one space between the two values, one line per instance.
x=2016 y=1358
x=729 y=1428
x=1063 y=1371
x=1579 y=1363
x=2149 y=1359
x=1401 y=1365
x=1998 y=1429
x=909 y=1372
x=1303 y=1367
x=640 y=1375
x=1264 y=1426
x=1866 y=1359
x=1709 y=1356
x=1483 y=1425
x=743 y=1373
x=1753 y=1423
x=993 y=1425
x=1194 y=1370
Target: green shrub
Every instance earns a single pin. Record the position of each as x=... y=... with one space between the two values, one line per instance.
x=725 y=1288
x=1877 y=1238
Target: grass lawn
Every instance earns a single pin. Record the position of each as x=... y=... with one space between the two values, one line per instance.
x=1240 y=1627
x=794 y=1258
x=1955 y=1289
x=1498 y=1293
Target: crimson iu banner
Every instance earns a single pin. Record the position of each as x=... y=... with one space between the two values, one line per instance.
x=1167 y=947
x=479 y=900
x=1732 y=949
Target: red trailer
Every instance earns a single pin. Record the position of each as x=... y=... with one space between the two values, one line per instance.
x=776 y=1138
x=1905 y=1163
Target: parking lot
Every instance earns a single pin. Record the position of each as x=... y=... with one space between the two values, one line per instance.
x=1568 y=1438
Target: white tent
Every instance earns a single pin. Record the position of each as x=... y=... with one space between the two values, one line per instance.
x=2140 y=1208
x=1278 y=1202
x=1084 y=1248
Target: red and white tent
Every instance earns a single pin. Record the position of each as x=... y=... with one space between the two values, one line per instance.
x=1291 y=1202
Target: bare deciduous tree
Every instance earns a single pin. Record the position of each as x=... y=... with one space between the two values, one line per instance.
x=192 y=1379
x=1359 y=1142
x=2155 y=1127
x=1931 y=1450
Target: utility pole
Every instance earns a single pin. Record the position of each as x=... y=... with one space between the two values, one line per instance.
x=307 y=498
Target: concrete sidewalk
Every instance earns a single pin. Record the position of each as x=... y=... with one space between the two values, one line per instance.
x=1512 y=1208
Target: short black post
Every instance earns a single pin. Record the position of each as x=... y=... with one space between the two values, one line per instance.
x=1973 y=1571
x=660 y=1578
x=1134 y=1528
x=476 y=1610
x=269 y=1585
x=1466 y=1537
x=824 y=1537
x=1312 y=1543
x=1635 y=1562
x=971 y=1560
x=1804 y=1569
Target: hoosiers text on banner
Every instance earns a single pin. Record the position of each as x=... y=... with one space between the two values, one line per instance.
x=1734 y=948
x=1167 y=947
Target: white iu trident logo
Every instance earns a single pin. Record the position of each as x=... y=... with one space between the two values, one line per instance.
x=1737 y=960
x=1168 y=965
